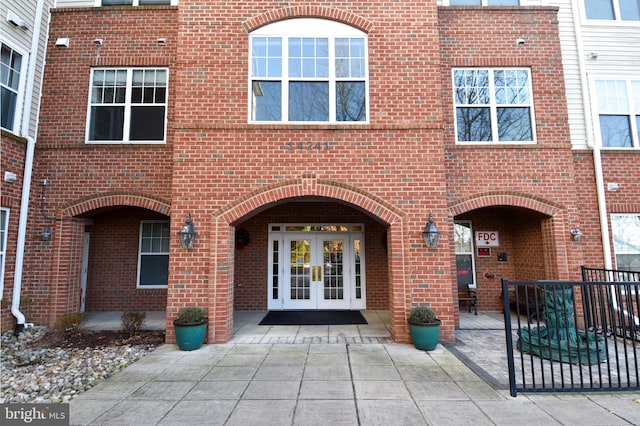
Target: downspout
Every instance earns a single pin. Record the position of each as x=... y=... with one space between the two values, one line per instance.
x=28 y=170
x=597 y=159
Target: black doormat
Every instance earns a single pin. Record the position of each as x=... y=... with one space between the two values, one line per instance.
x=313 y=318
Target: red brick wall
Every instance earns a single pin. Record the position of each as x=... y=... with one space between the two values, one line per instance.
x=77 y=172
x=113 y=264
x=384 y=160
x=537 y=172
x=224 y=171
x=12 y=155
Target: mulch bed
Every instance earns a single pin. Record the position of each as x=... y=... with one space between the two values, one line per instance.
x=95 y=339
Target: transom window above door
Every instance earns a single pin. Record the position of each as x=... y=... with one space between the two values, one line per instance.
x=308 y=71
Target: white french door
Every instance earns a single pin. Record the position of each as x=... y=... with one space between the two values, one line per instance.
x=317 y=268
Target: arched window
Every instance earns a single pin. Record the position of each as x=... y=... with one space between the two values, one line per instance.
x=308 y=71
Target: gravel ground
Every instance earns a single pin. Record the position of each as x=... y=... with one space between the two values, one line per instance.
x=57 y=374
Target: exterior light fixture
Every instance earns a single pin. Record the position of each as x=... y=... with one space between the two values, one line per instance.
x=431 y=234
x=46 y=234
x=187 y=233
x=576 y=234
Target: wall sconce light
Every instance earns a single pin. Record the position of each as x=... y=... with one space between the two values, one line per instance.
x=46 y=234
x=431 y=234
x=576 y=234
x=162 y=41
x=98 y=41
x=187 y=233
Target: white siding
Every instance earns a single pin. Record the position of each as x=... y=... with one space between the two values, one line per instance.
x=618 y=48
x=75 y=3
x=19 y=38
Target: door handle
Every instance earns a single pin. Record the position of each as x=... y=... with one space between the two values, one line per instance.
x=316 y=273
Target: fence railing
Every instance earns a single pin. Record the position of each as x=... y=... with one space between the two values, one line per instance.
x=572 y=336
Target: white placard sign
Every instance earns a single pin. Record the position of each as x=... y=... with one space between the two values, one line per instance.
x=487 y=239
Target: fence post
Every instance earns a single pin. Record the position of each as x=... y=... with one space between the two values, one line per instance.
x=509 y=337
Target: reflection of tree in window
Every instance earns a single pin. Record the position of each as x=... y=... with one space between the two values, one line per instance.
x=306 y=75
x=626 y=241
x=488 y=98
x=350 y=105
x=472 y=88
x=308 y=101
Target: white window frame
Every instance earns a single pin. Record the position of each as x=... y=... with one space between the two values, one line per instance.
x=470 y=253
x=617 y=20
x=633 y=109
x=127 y=106
x=631 y=236
x=493 y=106
x=151 y=253
x=98 y=3
x=307 y=28
x=482 y=3
x=20 y=93
x=4 y=232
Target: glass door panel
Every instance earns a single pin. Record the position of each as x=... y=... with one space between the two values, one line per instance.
x=298 y=291
x=335 y=291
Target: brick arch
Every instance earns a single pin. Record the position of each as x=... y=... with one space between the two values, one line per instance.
x=307 y=11
x=221 y=298
x=305 y=187
x=505 y=199
x=117 y=199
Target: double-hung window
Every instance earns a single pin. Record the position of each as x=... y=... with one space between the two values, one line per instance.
x=626 y=241
x=10 y=86
x=618 y=103
x=612 y=10
x=127 y=105
x=493 y=105
x=153 y=257
x=308 y=70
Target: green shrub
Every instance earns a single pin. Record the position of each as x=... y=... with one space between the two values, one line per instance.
x=70 y=323
x=132 y=321
x=191 y=315
x=421 y=315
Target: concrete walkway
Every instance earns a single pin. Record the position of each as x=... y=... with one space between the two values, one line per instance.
x=355 y=381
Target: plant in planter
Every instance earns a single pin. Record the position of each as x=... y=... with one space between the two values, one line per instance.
x=425 y=328
x=191 y=328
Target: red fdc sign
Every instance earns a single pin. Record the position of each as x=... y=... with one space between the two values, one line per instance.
x=487 y=239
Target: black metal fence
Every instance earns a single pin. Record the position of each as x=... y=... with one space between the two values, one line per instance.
x=573 y=336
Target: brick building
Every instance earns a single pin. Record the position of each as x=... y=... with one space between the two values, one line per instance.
x=309 y=144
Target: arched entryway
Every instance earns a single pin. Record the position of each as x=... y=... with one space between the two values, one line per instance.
x=512 y=236
x=307 y=201
x=119 y=247
x=338 y=255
